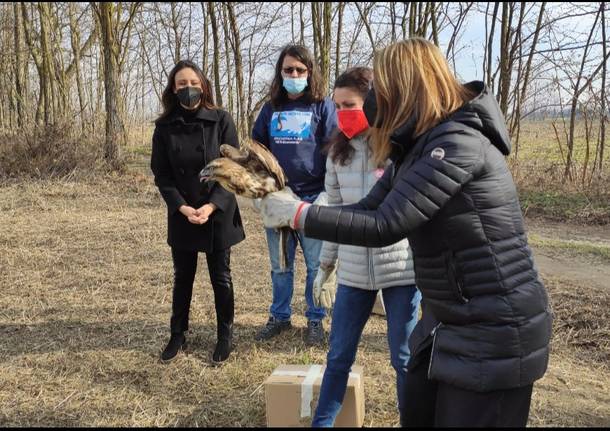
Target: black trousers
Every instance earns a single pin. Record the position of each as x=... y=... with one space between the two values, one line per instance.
x=436 y=404
x=185 y=267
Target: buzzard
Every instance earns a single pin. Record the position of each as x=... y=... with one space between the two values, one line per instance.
x=251 y=172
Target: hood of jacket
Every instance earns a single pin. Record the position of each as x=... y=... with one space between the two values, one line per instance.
x=481 y=113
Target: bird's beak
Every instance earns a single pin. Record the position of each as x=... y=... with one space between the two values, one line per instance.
x=205 y=174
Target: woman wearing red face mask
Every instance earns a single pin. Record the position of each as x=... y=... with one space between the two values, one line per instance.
x=361 y=272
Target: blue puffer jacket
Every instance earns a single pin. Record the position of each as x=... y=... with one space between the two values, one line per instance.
x=486 y=314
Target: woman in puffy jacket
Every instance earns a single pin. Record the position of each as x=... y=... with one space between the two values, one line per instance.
x=360 y=271
x=484 y=335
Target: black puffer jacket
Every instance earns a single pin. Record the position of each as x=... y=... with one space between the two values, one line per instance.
x=451 y=194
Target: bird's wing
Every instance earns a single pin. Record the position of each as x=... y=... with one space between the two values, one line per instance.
x=268 y=160
x=238 y=156
x=238 y=180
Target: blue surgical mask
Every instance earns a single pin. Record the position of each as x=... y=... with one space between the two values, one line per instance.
x=295 y=85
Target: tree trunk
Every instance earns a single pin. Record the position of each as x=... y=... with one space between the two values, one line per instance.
x=316 y=24
x=228 y=73
x=393 y=20
x=177 y=34
x=292 y=22
x=433 y=23
x=325 y=47
x=338 y=46
x=505 y=66
x=241 y=119
x=604 y=109
x=302 y=21
x=19 y=72
x=47 y=65
x=115 y=137
x=206 y=38
x=212 y=13
x=75 y=42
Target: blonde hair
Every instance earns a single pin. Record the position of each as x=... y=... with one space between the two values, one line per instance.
x=412 y=78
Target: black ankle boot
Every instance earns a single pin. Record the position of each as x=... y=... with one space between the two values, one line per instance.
x=224 y=345
x=176 y=343
x=223 y=350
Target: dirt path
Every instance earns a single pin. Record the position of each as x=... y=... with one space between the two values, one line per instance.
x=569 y=231
x=579 y=269
x=575 y=270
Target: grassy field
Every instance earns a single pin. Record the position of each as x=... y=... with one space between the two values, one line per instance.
x=86 y=282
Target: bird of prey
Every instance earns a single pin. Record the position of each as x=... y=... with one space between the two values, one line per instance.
x=252 y=172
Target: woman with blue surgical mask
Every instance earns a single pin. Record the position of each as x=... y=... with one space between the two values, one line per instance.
x=295 y=124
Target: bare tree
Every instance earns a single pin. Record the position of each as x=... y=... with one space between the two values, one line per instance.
x=113 y=34
x=214 y=22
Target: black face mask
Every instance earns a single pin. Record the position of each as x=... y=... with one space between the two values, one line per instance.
x=370 y=108
x=189 y=96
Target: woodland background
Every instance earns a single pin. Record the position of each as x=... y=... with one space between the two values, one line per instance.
x=85 y=272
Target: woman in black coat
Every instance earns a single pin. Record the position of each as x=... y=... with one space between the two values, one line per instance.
x=484 y=335
x=201 y=217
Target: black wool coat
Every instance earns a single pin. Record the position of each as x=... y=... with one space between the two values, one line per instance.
x=486 y=314
x=182 y=146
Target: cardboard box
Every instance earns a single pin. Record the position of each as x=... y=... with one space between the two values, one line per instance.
x=379 y=307
x=292 y=392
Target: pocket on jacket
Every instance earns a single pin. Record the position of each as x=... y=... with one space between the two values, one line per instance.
x=454 y=277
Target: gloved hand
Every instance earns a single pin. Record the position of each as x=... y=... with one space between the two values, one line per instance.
x=322 y=199
x=325 y=287
x=256 y=204
x=279 y=208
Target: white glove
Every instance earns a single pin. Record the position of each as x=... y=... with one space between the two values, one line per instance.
x=256 y=204
x=322 y=199
x=279 y=208
x=325 y=287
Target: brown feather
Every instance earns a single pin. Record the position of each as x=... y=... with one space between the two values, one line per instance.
x=252 y=172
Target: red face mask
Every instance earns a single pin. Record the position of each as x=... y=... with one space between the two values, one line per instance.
x=352 y=122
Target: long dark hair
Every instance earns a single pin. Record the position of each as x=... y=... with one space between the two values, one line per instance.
x=170 y=101
x=358 y=79
x=314 y=91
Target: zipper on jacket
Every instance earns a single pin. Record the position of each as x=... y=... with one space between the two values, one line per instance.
x=432 y=350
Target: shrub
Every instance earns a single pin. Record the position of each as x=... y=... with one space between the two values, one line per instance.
x=52 y=151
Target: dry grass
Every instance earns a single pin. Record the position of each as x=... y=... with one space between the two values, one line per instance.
x=539 y=173
x=86 y=297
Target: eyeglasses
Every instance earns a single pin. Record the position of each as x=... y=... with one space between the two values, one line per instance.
x=289 y=70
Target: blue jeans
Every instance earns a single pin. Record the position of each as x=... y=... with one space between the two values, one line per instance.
x=283 y=281
x=351 y=311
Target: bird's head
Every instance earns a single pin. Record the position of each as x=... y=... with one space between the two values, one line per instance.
x=210 y=171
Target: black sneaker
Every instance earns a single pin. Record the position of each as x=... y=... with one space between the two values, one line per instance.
x=315 y=333
x=272 y=328
x=176 y=343
x=222 y=352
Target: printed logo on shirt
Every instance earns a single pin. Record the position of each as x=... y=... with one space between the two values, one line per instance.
x=290 y=127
